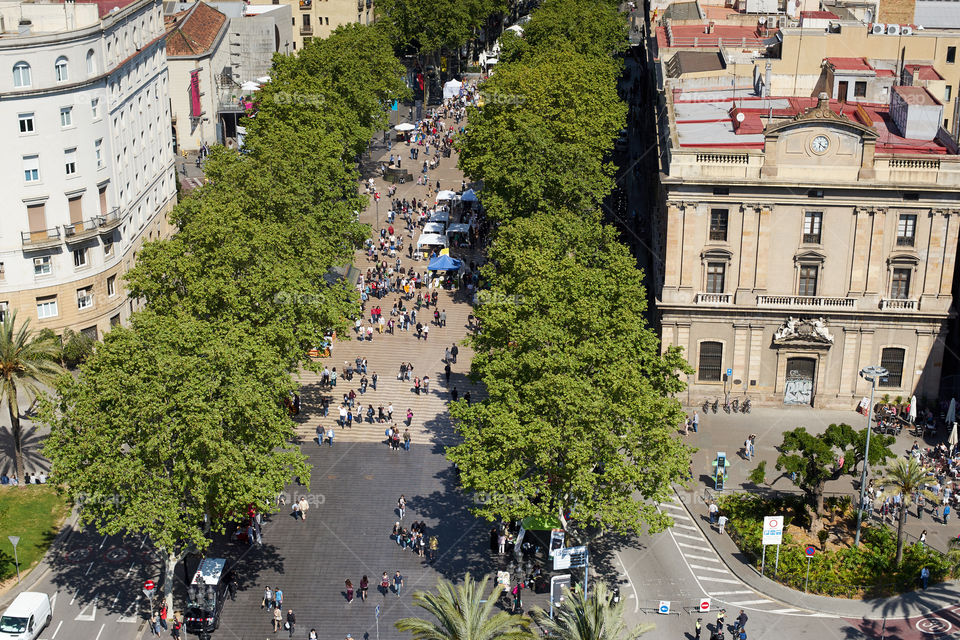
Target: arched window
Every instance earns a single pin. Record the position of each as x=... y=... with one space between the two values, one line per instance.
x=91 y=63
x=60 y=69
x=21 y=75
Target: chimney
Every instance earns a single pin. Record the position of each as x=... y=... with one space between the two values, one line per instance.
x=24 y=28
x=823 y=100
x=710 y=26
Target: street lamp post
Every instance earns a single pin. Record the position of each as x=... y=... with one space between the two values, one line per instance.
x=871 y=375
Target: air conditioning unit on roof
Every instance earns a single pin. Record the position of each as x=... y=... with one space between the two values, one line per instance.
x=893 y=29
x=771 y=22
x=906 y=30
x=878 y=29
x=782 y=22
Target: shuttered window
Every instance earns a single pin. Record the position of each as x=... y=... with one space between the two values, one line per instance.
x=711 y=361
x=891 y=359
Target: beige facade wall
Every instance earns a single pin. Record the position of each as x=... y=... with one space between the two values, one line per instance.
x=318 y=18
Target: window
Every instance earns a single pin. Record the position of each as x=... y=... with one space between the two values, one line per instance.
x=21 y=75
x=42 y=266
x=900 y=285
x=711 y=361
x=860 y=89
x=95 y=108
x=66 y=117
x=718 y=224
x=327 y=19
x=306 y=21
x=91 y=63
x=107 y=248
x=79 y=257
x=47 y=307
x=948 y=93
x=26 y=122
x=112 y=286
x=31 y=168
x=115 y=321
x=60 y=69
x=906 y=230
x=891 y=359
x=85 y=298
x=812 y=221
x=3 y=311
x=3 y=273
x=807 y=285
x=98 y=152
x=70 y=161
x=715 y=274
x=951 y=54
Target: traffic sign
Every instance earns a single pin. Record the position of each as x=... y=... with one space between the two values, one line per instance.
x=569 y=557
x=810 y=551
x=704 y=605
x=729 y=372
x=377 y=611
x=148 y=588
x=772 y=530
x=664 y=607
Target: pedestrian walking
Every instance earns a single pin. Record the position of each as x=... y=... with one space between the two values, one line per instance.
x=364 y=585
x=696 y=421
x=397 y=583
x=720 y=616
x=385 y=584
x=267 y=598
x=425 y=383
x=446 y=373
x=304 y=507
x=923 y=538
x=154 y=625
x=453 y=352
x=291 y=622
x=409 y=417
x=277 y=620
x=713 y=510
x=946 y=511
x=696 y=629
x=349 y=586
x=741 y=622
x=406 y=439
x=722 y=521
x=330 y=434
x=177 y=625
x=447 y=356
x=746 y=449
x=924 y=578
x=278 y=598
x=443 y=318
x=401 y=505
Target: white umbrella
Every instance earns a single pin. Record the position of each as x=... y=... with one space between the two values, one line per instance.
x=263 y=79
x=404 y=126
x=913 y=409
x=952 y=411
x=469 y=196
x=249 y=85
x=446 y=195
x=953 y=436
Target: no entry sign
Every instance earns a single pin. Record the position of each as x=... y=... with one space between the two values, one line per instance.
x=148 y=588
x=704 y=605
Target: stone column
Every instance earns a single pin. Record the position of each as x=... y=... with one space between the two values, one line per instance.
x=933 y=266
x=952 y=224
x=668 y=336
x=748 y=253
x=921 y=359
x=672 y=251
x=848 y=363
x=692 y=244
x=861 y=251
x=764 y=214
x=740 y=346
x=756 y=354
x=876 y=271
x=683 y=340
x=865 y=359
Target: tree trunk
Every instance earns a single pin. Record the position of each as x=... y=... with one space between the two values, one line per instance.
x=169 y=567
x=17 y=433
x=816 y=515
x=900 y=521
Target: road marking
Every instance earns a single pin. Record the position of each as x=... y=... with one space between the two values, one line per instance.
x=784 y=611
x=53 y=602
x=708 y=559
x=115 y=598
x=73 y=598
x=712 y=579
x=101 y=631
x=130 y=569
x=88 y=569
x=740 y=604
x=688 y=536
x=680 y=516
x=104 y=541
x=673 y=505
x=728 y=593
x=142 y=541
x=717 y=569
x=698 y=547
x=57 y=630
x=636 y=600
x=88 y=617
x=686 y=526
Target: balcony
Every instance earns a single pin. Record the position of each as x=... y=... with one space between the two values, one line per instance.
x=899 y=304
x=33 y=240
x=807 y=302
x=109 y=221
x=714 y=298
x=79 y=231
x=306 y=30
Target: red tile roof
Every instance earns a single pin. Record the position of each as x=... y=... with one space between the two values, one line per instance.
x=885 y=73
x=850 y=64
x=193 y=32
x=924 y=72
x=916 y=95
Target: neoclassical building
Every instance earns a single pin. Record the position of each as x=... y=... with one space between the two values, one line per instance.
x=88 y=166
x=801 y=239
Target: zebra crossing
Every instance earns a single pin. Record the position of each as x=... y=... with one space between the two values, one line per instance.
x=708 y=569
x=191 y=183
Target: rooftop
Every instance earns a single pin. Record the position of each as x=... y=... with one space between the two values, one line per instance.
x=850 y=64
x=737 y=119
x=106 y=6
x=193 y=32
x=819 y=15
x=728 y=35
x=923 y=72
x=916 y=95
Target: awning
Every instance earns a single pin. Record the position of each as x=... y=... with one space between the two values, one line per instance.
x=249 y=85
x=451 y=89
x=431 y=240
x=538 y=523
x=444 y=263
x=446 y=195
x=469 y=196
x=458 y=228
x=440 y=216
x=404 y=126
x=433 y=227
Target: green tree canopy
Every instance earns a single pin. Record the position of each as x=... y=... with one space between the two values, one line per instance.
x=594 y=617
x=432 y=25
x=595 y=28
x=172 y=429
x=580 y=412
x=818 y=459
x=905 y=477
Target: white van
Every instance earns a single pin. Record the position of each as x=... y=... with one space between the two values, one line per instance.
x=26 y=617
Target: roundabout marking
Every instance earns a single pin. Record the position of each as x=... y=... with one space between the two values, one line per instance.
x=933 y=625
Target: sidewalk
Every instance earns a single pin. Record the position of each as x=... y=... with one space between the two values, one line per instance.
x=908 y=605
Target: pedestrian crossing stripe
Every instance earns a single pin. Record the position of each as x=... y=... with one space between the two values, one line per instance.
x=786 y=611
x=686 y=526
x=745 y=602
x=698 y=547
x=672 y=505
x=688 y=536
x=707 y=558
x=717 y=569
x=723 y=580
x=680 y=516
x=728 y=593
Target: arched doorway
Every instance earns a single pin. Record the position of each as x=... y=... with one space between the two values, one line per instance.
x=799 y=384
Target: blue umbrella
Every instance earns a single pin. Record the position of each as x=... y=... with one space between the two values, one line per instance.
x=444 y=263
x=468 y=196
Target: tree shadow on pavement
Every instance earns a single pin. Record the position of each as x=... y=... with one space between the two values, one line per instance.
x=33 y=460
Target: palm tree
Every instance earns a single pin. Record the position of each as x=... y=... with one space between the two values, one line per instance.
x=904 y=477
x=594 y=617
x=26 y=363
x=462 y=614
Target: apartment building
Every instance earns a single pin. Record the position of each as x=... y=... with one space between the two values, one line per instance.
x=318 y=18
x=88 y=173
